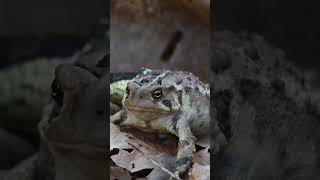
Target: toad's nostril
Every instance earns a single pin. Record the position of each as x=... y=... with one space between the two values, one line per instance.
x=132 y=86
x=145 y=80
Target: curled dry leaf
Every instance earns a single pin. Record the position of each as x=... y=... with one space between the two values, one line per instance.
x=202 y=157
x=200 y=172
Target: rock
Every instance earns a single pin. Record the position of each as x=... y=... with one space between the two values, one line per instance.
x=273 y=133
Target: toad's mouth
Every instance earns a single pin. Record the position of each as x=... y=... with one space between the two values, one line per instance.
x=144 y=109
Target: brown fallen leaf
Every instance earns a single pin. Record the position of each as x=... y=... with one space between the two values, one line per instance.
x=200 y=172
x=148 y=152
x=139 y=158
x=202 y=157
x=118 y=139
x=161 y=143
x=117 y=173
x=132 y=161
x=168 y=162
x=155 y=157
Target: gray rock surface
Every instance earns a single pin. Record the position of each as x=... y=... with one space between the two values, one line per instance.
x=266 y=110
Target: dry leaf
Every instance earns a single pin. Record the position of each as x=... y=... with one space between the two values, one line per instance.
x=118 y=139
x=119 y=173
x=200 y=172
x=133 y=161
x=168 y=162
x=150 y=156
x=163 y=143
x=202 y=157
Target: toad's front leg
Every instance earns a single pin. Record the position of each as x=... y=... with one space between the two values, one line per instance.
x=186 y=148
x=118 y=117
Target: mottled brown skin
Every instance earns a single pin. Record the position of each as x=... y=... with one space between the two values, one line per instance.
x=174 y=102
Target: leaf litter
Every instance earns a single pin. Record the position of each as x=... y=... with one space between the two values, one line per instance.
x=146 y=156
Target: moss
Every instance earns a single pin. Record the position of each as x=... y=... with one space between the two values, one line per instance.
x=117 y=90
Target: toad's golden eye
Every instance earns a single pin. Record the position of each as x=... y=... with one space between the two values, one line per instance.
x=57 y=93
x=127 y=91
x=157 y=94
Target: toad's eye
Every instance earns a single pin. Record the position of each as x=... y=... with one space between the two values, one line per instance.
x=57 y=93
x=157 y=94
x=127 y=91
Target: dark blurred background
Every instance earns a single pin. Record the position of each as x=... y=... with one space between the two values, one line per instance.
x=36 y=36
x=291 y=25
x=46 y=28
